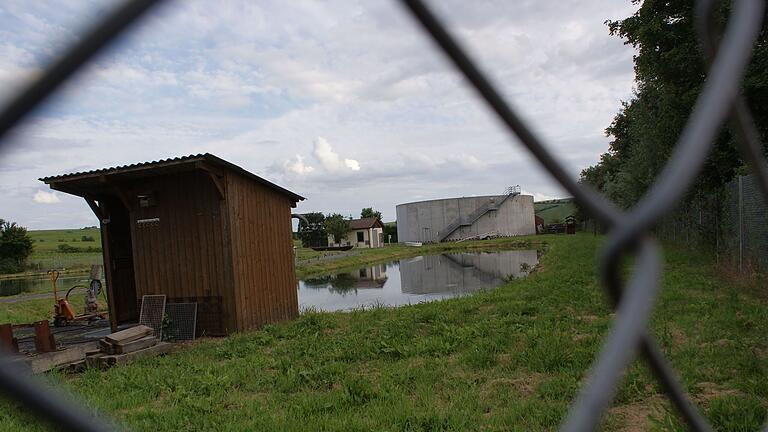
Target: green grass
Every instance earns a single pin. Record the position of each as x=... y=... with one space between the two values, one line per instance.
x=45 y=254
x=38 y=309
x=507 y=359
x=554 y=211
x=303 y=253
x=47 y=241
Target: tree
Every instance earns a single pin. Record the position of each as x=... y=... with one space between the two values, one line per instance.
x=390 y=229
x=337 y=226
x=313 y=233
x=369 y=212
x=15 y=247
x=669 y=73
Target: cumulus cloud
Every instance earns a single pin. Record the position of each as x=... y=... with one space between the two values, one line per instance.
x=330 y=160
x=44 y=197
x=296 y=167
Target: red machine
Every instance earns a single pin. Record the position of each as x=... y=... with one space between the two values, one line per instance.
x=63 y=313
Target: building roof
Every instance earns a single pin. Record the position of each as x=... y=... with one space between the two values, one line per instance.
x=73 y=182
x=364 y=223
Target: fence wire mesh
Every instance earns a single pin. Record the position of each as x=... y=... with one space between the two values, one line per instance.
x=730 y=223
x=630 y=232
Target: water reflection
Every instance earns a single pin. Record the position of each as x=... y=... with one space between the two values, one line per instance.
x=413 y=280
x=343 y=283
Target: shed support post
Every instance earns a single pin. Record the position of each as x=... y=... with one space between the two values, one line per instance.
x=103 y=216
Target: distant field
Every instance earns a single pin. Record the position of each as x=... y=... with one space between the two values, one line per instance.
x=554 y=211
x=47 y=242
x=46 y=255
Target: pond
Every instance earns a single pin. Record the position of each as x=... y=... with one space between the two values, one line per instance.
x=415 y=280
x=9 y=287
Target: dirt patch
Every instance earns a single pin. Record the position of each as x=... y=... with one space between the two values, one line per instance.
x=525 y=385
x=679 y=338
x=720 y=343
x=710 y=390
x=635 y=417
x=579 y=337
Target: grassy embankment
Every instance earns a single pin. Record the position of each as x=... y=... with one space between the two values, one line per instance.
x=555 y=211
x=508 y=359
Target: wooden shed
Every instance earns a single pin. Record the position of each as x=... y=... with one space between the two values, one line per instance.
x=197 y=229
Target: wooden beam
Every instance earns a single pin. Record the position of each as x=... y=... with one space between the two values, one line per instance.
x=103 y=224
x=216 y=176
x=117 y=190
x=129 y=335
x=124 y=197
x=95 y=208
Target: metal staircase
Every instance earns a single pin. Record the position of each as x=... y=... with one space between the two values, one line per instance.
x=489 y=206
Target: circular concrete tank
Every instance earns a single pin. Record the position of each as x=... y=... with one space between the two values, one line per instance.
x=453 y=219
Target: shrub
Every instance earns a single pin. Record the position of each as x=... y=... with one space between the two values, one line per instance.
x=15 y=247
x=65 y=248
x=9 y=265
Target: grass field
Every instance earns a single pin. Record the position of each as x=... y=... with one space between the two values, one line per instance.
x=554 y=211
x=508 y=359
x=29 y=311
x=45 y=254
x=46 y=242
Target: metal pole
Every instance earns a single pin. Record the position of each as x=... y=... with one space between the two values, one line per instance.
x=741 y=224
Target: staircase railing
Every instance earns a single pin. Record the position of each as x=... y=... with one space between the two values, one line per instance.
x=490 y=205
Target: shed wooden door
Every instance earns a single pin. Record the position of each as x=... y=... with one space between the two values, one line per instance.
x=121 y=263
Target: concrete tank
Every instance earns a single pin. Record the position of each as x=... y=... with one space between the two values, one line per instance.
x=453 y=219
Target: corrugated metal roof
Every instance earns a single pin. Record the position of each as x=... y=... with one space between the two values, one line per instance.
x=202 y=157
x=123 y=168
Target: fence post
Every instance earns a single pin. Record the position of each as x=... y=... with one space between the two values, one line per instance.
x=741 y=224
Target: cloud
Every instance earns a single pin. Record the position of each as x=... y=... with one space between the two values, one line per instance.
x=330 y=160
x=258 y=84
x=44 y=197
x=296 y=168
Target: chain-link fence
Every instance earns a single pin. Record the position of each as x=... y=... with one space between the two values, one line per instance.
x=731 y=223
x=631 y=232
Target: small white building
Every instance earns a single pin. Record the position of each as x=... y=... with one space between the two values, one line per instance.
x=363 y=233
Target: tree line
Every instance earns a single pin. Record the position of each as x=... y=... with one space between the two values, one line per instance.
x=669 y=75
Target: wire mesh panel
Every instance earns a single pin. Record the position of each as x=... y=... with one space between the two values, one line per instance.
x=181 y=321
x=153 y=312
x=630 y=231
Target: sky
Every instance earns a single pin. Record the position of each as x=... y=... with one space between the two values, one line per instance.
x=347 y=103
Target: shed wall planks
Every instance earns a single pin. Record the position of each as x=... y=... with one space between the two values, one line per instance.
x=264 y=277
x=177 y=256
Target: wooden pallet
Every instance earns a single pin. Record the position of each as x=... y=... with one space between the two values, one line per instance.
x=109 y=360
x=45 y=362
